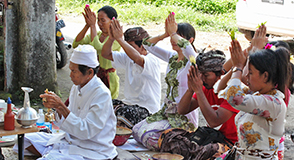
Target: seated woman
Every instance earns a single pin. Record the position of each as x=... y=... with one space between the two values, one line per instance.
x=260 y=122
x=182 y=36
x=97 y=39
x=259 y=42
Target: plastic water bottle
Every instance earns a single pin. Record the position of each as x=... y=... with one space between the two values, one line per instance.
x=41 y=119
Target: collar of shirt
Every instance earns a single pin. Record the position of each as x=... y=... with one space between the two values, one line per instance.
x=87 y=86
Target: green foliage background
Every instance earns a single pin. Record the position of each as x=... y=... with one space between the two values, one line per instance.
x=204 y=15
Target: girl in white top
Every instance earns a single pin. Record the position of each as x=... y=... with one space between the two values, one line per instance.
x=182 y=37
x=260 y=122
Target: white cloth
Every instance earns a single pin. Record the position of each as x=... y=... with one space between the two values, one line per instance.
x=89 y=128
x=142 y=85
x=260 y=122
x=85 y=55
x=165 y=55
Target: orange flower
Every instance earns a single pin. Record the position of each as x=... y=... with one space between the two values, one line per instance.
x=248 y=126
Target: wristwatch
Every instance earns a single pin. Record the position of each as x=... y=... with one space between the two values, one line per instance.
x=235 y=69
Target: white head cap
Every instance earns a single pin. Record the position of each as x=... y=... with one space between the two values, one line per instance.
x=85 y=55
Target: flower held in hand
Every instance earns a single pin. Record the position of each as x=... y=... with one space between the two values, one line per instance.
x=192 y=60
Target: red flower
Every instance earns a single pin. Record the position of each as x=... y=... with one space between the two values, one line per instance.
x=268 y=46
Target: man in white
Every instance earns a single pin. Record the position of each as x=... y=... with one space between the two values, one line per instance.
x=89 y=123
x=142 y=70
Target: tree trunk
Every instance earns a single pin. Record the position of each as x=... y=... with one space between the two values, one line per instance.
x=30 y=47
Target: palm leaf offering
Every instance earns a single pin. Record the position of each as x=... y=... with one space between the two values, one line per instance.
x=263 y=23
x=232 y=34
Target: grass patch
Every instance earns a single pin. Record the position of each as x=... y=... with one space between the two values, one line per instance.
x=209 y=16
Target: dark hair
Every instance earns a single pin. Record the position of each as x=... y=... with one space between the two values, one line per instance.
x=291 y=80
x=280 y=44
x=84 y=69
x=109 y=11
x=187 y=31
x=139 y=43
x=276 y=63
x=291 y=77
x=218 y=73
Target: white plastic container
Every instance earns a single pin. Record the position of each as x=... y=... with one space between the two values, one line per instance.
x=3 y=106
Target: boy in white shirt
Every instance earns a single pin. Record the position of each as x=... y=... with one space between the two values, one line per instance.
x=142 y=73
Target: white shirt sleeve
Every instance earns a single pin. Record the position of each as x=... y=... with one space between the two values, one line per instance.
x=119 y=59
x=159 y=52
x=189 y=51
x=263 y=105
x=151 y=66
x=93 y=123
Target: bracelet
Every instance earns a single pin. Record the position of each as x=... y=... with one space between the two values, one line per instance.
x=225 y=71
x=173 y=34
x=235 y=69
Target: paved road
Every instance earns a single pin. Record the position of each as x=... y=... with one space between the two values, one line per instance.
x=64 y=82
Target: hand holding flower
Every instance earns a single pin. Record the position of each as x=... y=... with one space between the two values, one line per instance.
x=192 y=60
x=90 y=17
x=261 y=24
x=237 y=55
x=259 y=39
x=171 y=25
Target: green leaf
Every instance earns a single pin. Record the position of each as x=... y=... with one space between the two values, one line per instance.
x=263 y=23
x=232 y=34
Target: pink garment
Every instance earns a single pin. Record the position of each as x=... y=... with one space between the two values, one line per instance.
x=281 y=151
x=282 y=139
x=287 y=96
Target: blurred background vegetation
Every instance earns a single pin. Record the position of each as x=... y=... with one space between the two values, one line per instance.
x=204 y=15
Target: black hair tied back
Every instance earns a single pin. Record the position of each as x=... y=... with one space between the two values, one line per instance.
x=283 y=67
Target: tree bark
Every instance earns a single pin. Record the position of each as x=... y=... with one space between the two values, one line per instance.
x=30 y=47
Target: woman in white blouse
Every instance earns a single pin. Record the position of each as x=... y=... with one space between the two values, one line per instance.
x=182 y=36
x=260 y=122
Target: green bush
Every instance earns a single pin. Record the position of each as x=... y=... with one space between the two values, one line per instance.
x=203 y=6
x=205 y=15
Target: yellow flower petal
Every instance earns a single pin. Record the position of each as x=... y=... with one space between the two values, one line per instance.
x=192 y=59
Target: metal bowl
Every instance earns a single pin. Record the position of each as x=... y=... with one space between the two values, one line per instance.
x=26 y=123
x=27 y=113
